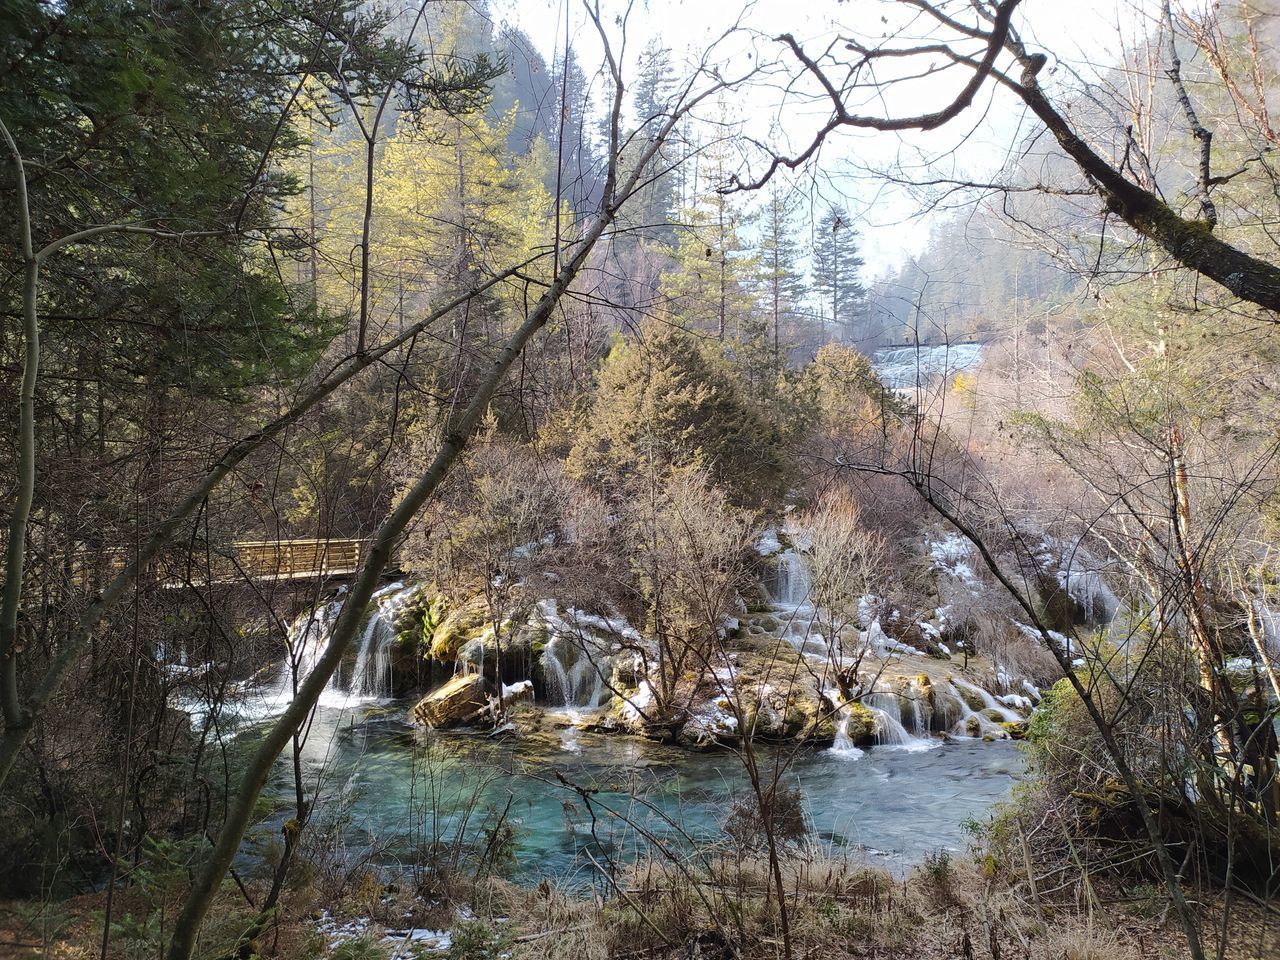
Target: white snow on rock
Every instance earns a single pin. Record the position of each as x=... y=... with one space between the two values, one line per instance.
x=520 y=686
x=1031 y=633
x=641 y=700
x=573 y=621
x=410 y=944
x=953 y=555
x=713 y=718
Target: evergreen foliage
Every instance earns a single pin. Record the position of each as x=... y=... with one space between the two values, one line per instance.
x=837 y=286
x=665 y=402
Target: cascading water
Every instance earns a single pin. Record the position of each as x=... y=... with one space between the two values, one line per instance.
x=843 y=747
x=573 y=678
x=919 y=724
x=307 y=641
x=471 y=657
x=1096 y=601
x=309 y=637
x=988 y=701
x=909 y=368
x=949 y=710
x=371 y=676
x=579 y=656
x=952 y=712
x=792 y=583
x=1080 y=577
x=890 y=730
x=791 y=590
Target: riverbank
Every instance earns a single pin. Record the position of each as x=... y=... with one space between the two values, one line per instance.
x=836 y=910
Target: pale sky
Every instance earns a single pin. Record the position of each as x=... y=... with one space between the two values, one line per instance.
x=1084 y=35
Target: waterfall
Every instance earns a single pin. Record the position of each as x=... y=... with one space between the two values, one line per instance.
x=371 y=676
x=1079 y=575
x=949 y=709
x=956 y=716
x=309 y=637
x=792 y=582
x=988 y=701
x=573 y=678
x=906 y=368
x=578 y=658
x=470 y=659
x=791 y=589
x=919 y=724
x=889 y=729
x=307 y=641
x=843 y=747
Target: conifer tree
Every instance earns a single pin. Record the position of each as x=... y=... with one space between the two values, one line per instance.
x=655 y=206
x=710 y=288
x=836 y=281
x=782 y=284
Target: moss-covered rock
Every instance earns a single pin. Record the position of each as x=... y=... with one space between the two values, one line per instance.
x=860 y=725
x=972 y=698
x=461 y=624
x=1016 y=729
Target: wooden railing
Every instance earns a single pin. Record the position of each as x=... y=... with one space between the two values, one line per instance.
x=283 y=559
x=252 y=559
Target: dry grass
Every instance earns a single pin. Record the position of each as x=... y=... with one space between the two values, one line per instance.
x=838 y=910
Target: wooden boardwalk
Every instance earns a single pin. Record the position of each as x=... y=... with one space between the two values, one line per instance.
x=299 y=559
x=257 y=560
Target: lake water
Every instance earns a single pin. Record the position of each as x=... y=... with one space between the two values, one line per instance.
x=391 y=792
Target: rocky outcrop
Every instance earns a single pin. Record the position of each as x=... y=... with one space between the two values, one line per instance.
x=467 y=698
x=462 y=700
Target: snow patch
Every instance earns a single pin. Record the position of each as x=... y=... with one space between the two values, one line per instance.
x=953 y=555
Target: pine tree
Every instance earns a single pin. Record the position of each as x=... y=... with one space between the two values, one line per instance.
x=668 y=401
x=654 y=208
x=783 y=285
x=711 y=286
x=836 y=265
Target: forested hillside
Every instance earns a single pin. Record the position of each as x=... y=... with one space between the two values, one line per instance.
x=465 y=492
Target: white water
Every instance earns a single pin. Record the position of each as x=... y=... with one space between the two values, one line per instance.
x=843 y=747
x=954 y=714
x=906 y=368
x=309 y=637
x=988 y=701
x=791 y=591
x=372 y=674
x=579 y=655
x=793 y=584
x=890 y=729
x=573 y=677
